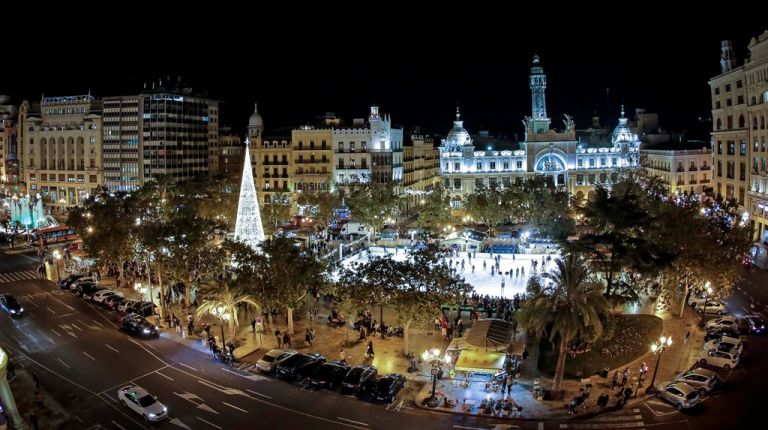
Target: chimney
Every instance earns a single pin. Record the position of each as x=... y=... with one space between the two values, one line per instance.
x=727 y=57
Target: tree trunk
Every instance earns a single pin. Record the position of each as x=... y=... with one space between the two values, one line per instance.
x=405 y=337
x=290 y=319
x=381 y=318
x=685 y=297
x=149 y=284
x=560 y=368
x=163 y=311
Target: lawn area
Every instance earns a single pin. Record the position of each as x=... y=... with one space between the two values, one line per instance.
x=632 y=338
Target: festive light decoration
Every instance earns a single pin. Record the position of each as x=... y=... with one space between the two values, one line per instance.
x=248 y=227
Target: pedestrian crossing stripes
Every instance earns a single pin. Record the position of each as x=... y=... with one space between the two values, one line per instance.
x=18 y=276
x=632 y=420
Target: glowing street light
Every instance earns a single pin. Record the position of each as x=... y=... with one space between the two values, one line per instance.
x=56 y=258
x=433 y=357
x=660 y=347
x=707 y=293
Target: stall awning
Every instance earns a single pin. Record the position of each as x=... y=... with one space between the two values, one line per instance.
x=480 y=362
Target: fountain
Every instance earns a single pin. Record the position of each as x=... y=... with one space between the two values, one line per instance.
x=28 y=214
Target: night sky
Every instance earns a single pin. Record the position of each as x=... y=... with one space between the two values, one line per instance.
x=415 y=69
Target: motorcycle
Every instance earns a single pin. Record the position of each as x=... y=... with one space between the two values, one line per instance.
x=224 y=357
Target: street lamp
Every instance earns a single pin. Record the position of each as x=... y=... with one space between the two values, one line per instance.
x=56 y=258
x=707 y=293
x=660 y=347
x=223 y=316
x=433 y=357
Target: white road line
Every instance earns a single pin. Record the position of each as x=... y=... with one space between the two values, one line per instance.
x=52 y=311
x=75 y=326
x=619 y=418
x=102 y=325
x=118 y=425
x=258 y=394
x=113 y=349
x=353 y=422
x=166 y=377
x=68 y=306
x=604 y=426
x=188 y=367
x=479 y=428
x=89 y=356
x=235 y=407
x=63 y=363
x=79 y=419
x=208 y=422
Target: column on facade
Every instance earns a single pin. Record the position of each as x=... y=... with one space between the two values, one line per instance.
x=6 y=396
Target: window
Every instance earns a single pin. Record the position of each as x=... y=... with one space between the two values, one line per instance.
x=446 y=167
x=719 y=169
x=479 y=183
x=755 y=146
x=742 y=172
x=591 y=162
x=740 y=100
x=581 y=162
x=456 y=167
x=457 y=184
x=93 y=139
x=738 y=84
x=352 y=146
x=728 y=102
x=729 y=122
x=727 y=88
x=519 y=164
x=493 y=165
x=92 y=178
x=717 y=91
x=614 y=161
x=479 y=166
x=731 y=167
x=718 y=105
x=506 y=165
x=743 y=147
x=741 y=196
x=341 y=146
x=719 y=147
x=731 y=147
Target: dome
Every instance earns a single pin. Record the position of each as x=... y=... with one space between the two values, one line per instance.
x=256 y=120
x=622 y=133
x=458 y=136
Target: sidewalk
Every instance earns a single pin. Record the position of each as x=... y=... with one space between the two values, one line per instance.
x=52 y=415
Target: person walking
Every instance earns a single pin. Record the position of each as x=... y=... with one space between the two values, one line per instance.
x=39 y=399
x=615 y=379
x=36 y=379
x=602 y=401
x=286 y=339
x=627 y=395
x=510 y=381
x=308 y=338
x=279 y=338
x=253 y=324
x=343 y=356
x=625 y=377
x=369 y=350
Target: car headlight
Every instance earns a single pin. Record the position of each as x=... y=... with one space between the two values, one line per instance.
x=152 y=415
x=165 y=409
x=145 y=331
x=157 y=328
x=21 y=309
x=13 y=311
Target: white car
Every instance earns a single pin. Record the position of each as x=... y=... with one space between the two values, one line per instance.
x=271 y=359
x=680 y=394
x=126 y=305
x=713 y=307
x=87 y=279
x=141 y=402
x=723 y=322
x=715 y=357
x=697 y=301
x=725 y=343
x=103 y=294
x=703 y=380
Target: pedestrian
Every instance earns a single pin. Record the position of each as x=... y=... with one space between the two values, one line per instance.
x=11 y=371
x=36 y=379
x=615 y=379
x=687 y=335
x=253 y=324
x=369 y=350
x=627 y=394
x=279 y=338
x=343 y=356
x=437 y=324
x=625 y=377
x=643 y=370
x=308 y=338
x=39 y=399
x=460 y=328
x=510 y=381
x=525 y=353
x=362 y=332
x=33 y=420
x=602 y=401
x=286 y=339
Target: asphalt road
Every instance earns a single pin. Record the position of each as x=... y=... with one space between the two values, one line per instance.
x=83 y=359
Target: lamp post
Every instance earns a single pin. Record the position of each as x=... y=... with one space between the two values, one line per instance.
x=56 y=258
x=660 y=347
x=223 y=316
x=707 y=293
x=433 y=357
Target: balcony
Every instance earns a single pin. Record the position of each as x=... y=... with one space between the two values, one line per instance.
x=692 y=168
x=679 y=183
x=705 y=167
x=681 y=169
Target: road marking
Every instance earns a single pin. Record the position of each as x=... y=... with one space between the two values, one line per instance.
x=235 y=407
x=98 y=323
x=113 y=349
x=75 y=326
x=79 y=419
x=51 y=310
x=63 y=363
x=118 y=425
x=465 y=427
x=353 y=422
x=208 y=422
x=166 y=377
x=188 y=367
x=197 y=401
x=258 y=394
x=251 y=377
x=603 y=426
x=619 y=418
x=660 y=403
x=68 y=306
x=89 y=356
x=180 y=423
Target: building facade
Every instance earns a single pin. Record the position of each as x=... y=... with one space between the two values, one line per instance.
x=739 y=133
x=421 y=164
x=9 y=115
x=559 y=155
x=122 y=142
x=226 y=157
x=312 y=158
x=680 y=167
x=62 y=150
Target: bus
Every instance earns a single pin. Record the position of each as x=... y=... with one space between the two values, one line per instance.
x=48 y=235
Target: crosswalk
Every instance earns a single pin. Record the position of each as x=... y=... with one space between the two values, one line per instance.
x=628 y=419
x=18 y=276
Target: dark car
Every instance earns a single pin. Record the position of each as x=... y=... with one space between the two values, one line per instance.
x=86 y=288
x=329 y=375
x=386 y=387
x=10 y=305
x=144 y=309
x=139 y=326
x=113 y=301
x=294 y=367
x=65 y=283
x=753 y=324
x=716 y=332
x=359 y=379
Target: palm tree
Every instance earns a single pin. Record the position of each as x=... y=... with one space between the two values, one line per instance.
x=224 y=306
x=568 y=306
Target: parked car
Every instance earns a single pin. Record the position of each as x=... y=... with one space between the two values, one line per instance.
x=269 y=361
x=65 y=283
x=359 y=379
x=126 y=305
x=386 y=387
x=679 y=394
x=138 y=325
x=329 y=375
x=730 y=322
x=699 y=300
x=725 y=343
x=717 y=332
x=11 y=305
x=85 y=289
x=703 y=380
x=140 y=401
x=289 y=368
x=101 y=295
x=113 y=301
x=144 y=309
x=715 y=357
x=713 y=307
x=85 y=279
